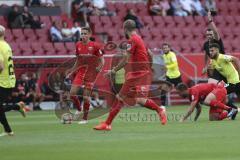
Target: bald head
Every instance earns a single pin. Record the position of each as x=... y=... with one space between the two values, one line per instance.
x=2 y=31
x=129 y=25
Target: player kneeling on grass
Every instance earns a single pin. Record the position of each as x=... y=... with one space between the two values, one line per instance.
x=137 y=79
x=212 y=95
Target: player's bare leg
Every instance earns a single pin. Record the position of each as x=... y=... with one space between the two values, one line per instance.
x=86 y=106
x=212 y=101
x=218 y=116
x=116 y=107
x=73 y=95
x=150 y=104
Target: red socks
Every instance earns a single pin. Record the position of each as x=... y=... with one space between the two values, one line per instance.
x=117 y=105
x=215 y=103
x=150 y=104
x=76 y=102
x=86 y=106
x=223 y=115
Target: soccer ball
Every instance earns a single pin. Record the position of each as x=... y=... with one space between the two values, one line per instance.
x=66 y=118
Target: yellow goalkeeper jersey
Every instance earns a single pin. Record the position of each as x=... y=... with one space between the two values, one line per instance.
x=171 y=64
x=223 y=64
x=7 y=75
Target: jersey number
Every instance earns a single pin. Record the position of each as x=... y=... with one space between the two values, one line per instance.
x=10 y=66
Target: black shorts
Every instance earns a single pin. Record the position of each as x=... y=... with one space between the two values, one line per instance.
x=216 y=75
x=174 y=81
x=233 y=88
x=4 y=94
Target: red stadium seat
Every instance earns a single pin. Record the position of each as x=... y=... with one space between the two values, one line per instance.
x=228 y=46
x=230 y=21
x=15 y=49
x=187 y=34
x=106 y=21
x=200 y=21
x=177 y=34
x=227 y=34
x=37 y=48
x=60 y=48
x=236 y=32
x=48 y=48
x=94 y=19
x=26 y=49
x=30 y=35
x=111 y=6
x=185 y=47
x=71 y=48
x=148 y=21
x=195 y=47
x=189 y=21
x=131 y=6
x=179 y=21
x=166 y=34
x=236 y=46
x=3 y=21
x=55 y=18
x=169 y=22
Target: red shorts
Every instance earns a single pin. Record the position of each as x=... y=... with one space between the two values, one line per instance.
x=85 y=79
x=136 y=85
x=220 y=93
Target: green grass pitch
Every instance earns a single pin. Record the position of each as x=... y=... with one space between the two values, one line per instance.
x=135 y=136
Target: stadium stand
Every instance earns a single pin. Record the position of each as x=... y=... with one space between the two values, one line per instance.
x=186 y=34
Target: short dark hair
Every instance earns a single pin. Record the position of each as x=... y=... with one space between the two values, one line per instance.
x=166 y=44
x=214 y=45
x=129 y=25
x=87 y=29
x=181 y=87
x=209 y=29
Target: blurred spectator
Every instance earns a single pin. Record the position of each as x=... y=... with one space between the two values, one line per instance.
x=155 y=8
x=56 y=35
x=178 y=8
x=210 y=5
x=26 y=90
x=32 y=3
x=29 y=20
x=76 y=30
x=187 y=5
x=196 y=4
x=100 y=8
x=80 y=11
x=15 y=19
x=66 y=32
x=132 y=15
x=47 y=3
x=166 y=8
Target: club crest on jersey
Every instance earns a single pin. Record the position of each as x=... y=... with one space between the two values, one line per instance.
x=129 y=46
x=90 y=48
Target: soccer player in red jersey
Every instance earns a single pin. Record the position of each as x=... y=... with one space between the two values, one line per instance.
x=88 y=64
x=213 y=95
x=137 y=79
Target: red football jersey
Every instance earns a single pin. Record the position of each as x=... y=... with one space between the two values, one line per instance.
x=139 y=59
x=88 y=56
x=200 y=91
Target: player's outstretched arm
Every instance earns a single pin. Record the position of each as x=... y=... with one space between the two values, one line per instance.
x=123 y=62
x=213 y=26
x=198 y=111
x=120 y=65
x=236 y=63
x=190 y=110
